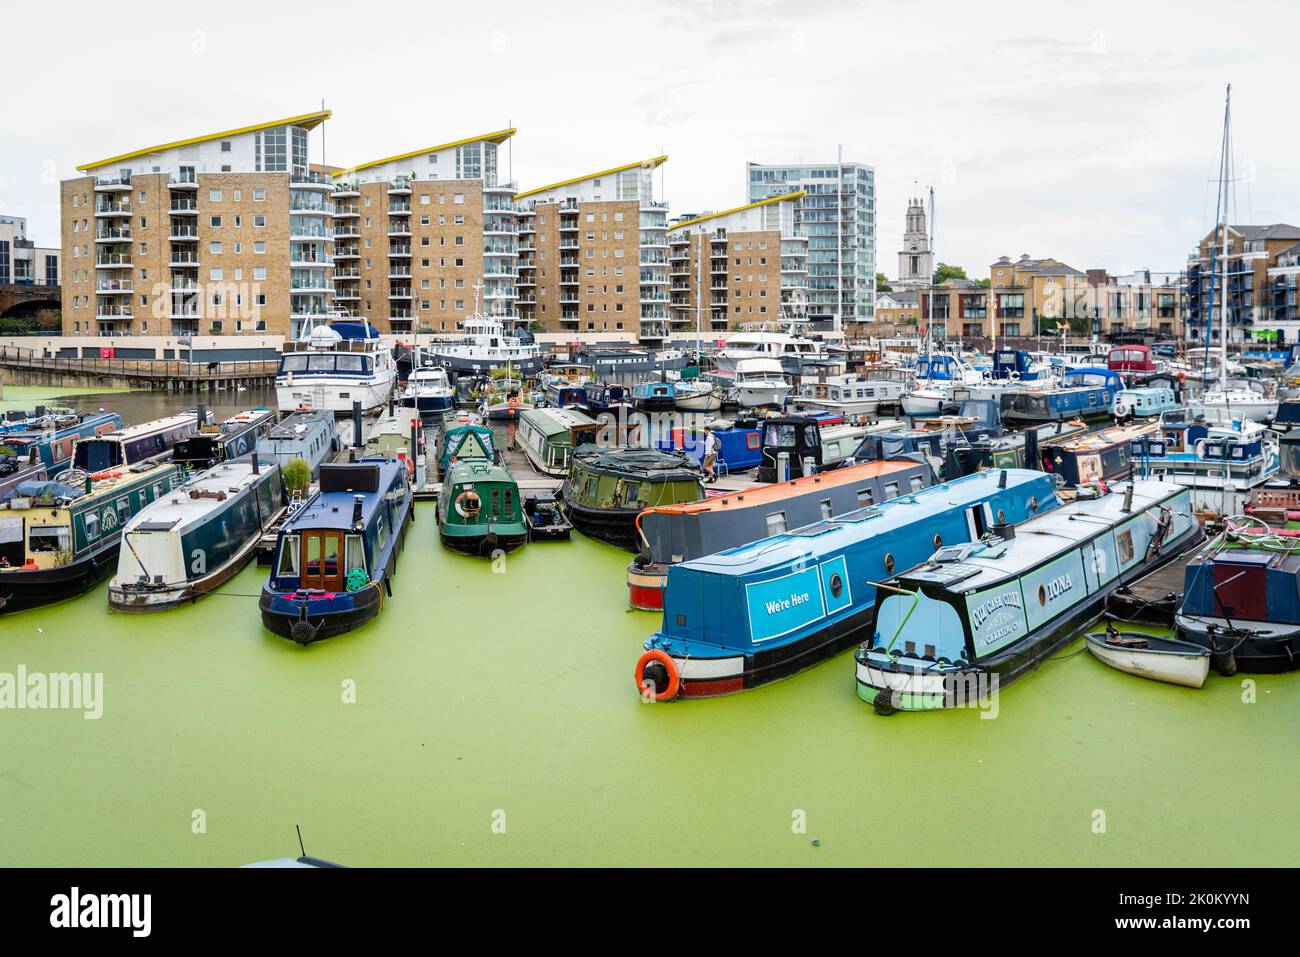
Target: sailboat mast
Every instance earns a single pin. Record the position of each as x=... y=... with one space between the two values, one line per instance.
x=699 y=290
x=1225 y=179
x=1220 y=220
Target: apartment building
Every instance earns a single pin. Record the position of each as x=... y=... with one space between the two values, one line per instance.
x=838 y=216
x=1244 y=281
x=224 y=233
x=22 y=262
x=593 y=254
x=1145 y=302
x=738 y=267
x=428 y=238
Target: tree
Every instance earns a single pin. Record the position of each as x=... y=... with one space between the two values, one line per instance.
x=882 y=283
x=946 y=272
x=983 y=283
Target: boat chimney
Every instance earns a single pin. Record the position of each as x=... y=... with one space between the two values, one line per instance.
x=356 y=509
x=88 y=484
x=1002 y=479
x=1005 y=531
x=356 y=424
x=880 y=450
x=415 y=438
x=1128 y=498
x=1031 y=448
x=257 y=468
x=202 y=416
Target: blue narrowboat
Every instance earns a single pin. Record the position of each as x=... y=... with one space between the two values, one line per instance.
x=336 y=556
x=740 y=443
x=52 y=447
x=1083 y=393
x=654 y=396
x=605 y=398
x=750 y=615
x=951 y=631
x=234 y=438
x=1015 y=364
x=310 y=435
x=1144 y=402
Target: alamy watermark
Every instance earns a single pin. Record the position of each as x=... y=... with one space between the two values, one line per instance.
x=53 y=691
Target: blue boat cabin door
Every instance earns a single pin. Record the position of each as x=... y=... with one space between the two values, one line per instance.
x=321 y=565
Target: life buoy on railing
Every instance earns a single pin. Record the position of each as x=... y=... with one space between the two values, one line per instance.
x=468 y=504
x=656 y=675
x=1121 y=410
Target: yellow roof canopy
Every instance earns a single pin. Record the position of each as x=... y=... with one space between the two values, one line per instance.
x=307 y=120
x=788 y=197
x=499 y=137
x=653 y=163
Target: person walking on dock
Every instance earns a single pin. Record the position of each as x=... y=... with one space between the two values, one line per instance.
x=710 y=454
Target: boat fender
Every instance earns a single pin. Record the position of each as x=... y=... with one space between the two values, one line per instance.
x=656 y=675
x=303 y=632
x=886 y=702
x=1121 y=410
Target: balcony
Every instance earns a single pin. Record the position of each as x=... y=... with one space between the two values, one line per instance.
x=182 y=260
x=346 y=190
x=399 y=292
x=113 y=235
x=113 y=261
x=347 y=272
x=399 y=229
x=308 y=179
x=347 y=252
x=399 y=209
x=347 y=230
x=399 y=272
x=399 y=252
x=186 y=180
x=113 y=312
x=184 y=207
x=184 y=234
x=316 y=234
x=401 y=186
x=113 y=287
x=113 y=209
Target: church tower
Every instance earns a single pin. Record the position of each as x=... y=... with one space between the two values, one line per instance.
x=915 y=260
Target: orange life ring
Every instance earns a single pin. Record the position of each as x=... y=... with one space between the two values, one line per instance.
x=1182 y=377
x=514 y=402
x=674 y=678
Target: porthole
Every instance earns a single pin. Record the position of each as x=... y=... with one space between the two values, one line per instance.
x=938 y=540
x=1042 y=595
x=1033 y=505
x=889 y=562
x=837 y=585
x=1002 y=517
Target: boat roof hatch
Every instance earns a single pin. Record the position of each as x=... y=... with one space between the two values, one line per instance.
x=349 y=477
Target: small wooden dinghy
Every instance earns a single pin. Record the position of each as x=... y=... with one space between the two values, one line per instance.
x=1152 y=656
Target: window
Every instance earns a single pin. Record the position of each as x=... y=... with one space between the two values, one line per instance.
x=214 y=248
x=92 y=525
x=225 y=146
x=827 y=511
x=49 y=538
x=354 y=555
x=214 y=196
x=776 y=523
x=259 y=222
x=866 y=497
x=891 y=490
x=259 y=195
x=215 y=222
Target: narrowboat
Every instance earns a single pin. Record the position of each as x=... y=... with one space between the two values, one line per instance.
x=336 y=556
x=849 y=395
x=670 y=534
x=468 y=440
x=1288 y=415
x=1143 y=402
x=311 y=436
x=974 y=616
x=549 y=437
x=333 y=366
x=545 y=519
x=234 y=438
x=1241 y=600
x=503 y=399
x=760 y=383
x=1132 y=360
x=198 y=536
x=58 y=540
x=398 y=434
x=41 y=419
x=134 y=444
x=1081 y=394
x=746 y=616
x=479 y=511
x=1103 y=456
x=566 y=385
x=1017 y=365
x=606 y=399
x=1220 y=459
x=790 y=441
x=740 y=443
x=53 y=446
x=607 y=488
x=428 y=392
x=654 y=396
x=625 y=360
x=1277 y=500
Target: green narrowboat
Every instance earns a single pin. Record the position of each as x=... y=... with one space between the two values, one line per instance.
x=469 y=441
x=479 y=511
x=549 y=436
x=607 y=489
x=58 y=541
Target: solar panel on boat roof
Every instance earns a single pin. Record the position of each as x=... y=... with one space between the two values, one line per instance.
x=157 y=526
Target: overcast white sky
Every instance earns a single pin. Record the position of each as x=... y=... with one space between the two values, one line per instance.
x=1087 y=132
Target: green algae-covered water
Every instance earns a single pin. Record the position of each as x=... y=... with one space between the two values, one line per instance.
x=489 y=717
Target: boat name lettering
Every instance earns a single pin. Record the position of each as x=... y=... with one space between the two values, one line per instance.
x=1006 y=599
x=776 y=606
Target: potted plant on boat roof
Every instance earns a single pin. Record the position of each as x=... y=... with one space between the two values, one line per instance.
x=297 y=476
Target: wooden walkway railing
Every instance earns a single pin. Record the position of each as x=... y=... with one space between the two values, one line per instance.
x=145 y=369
